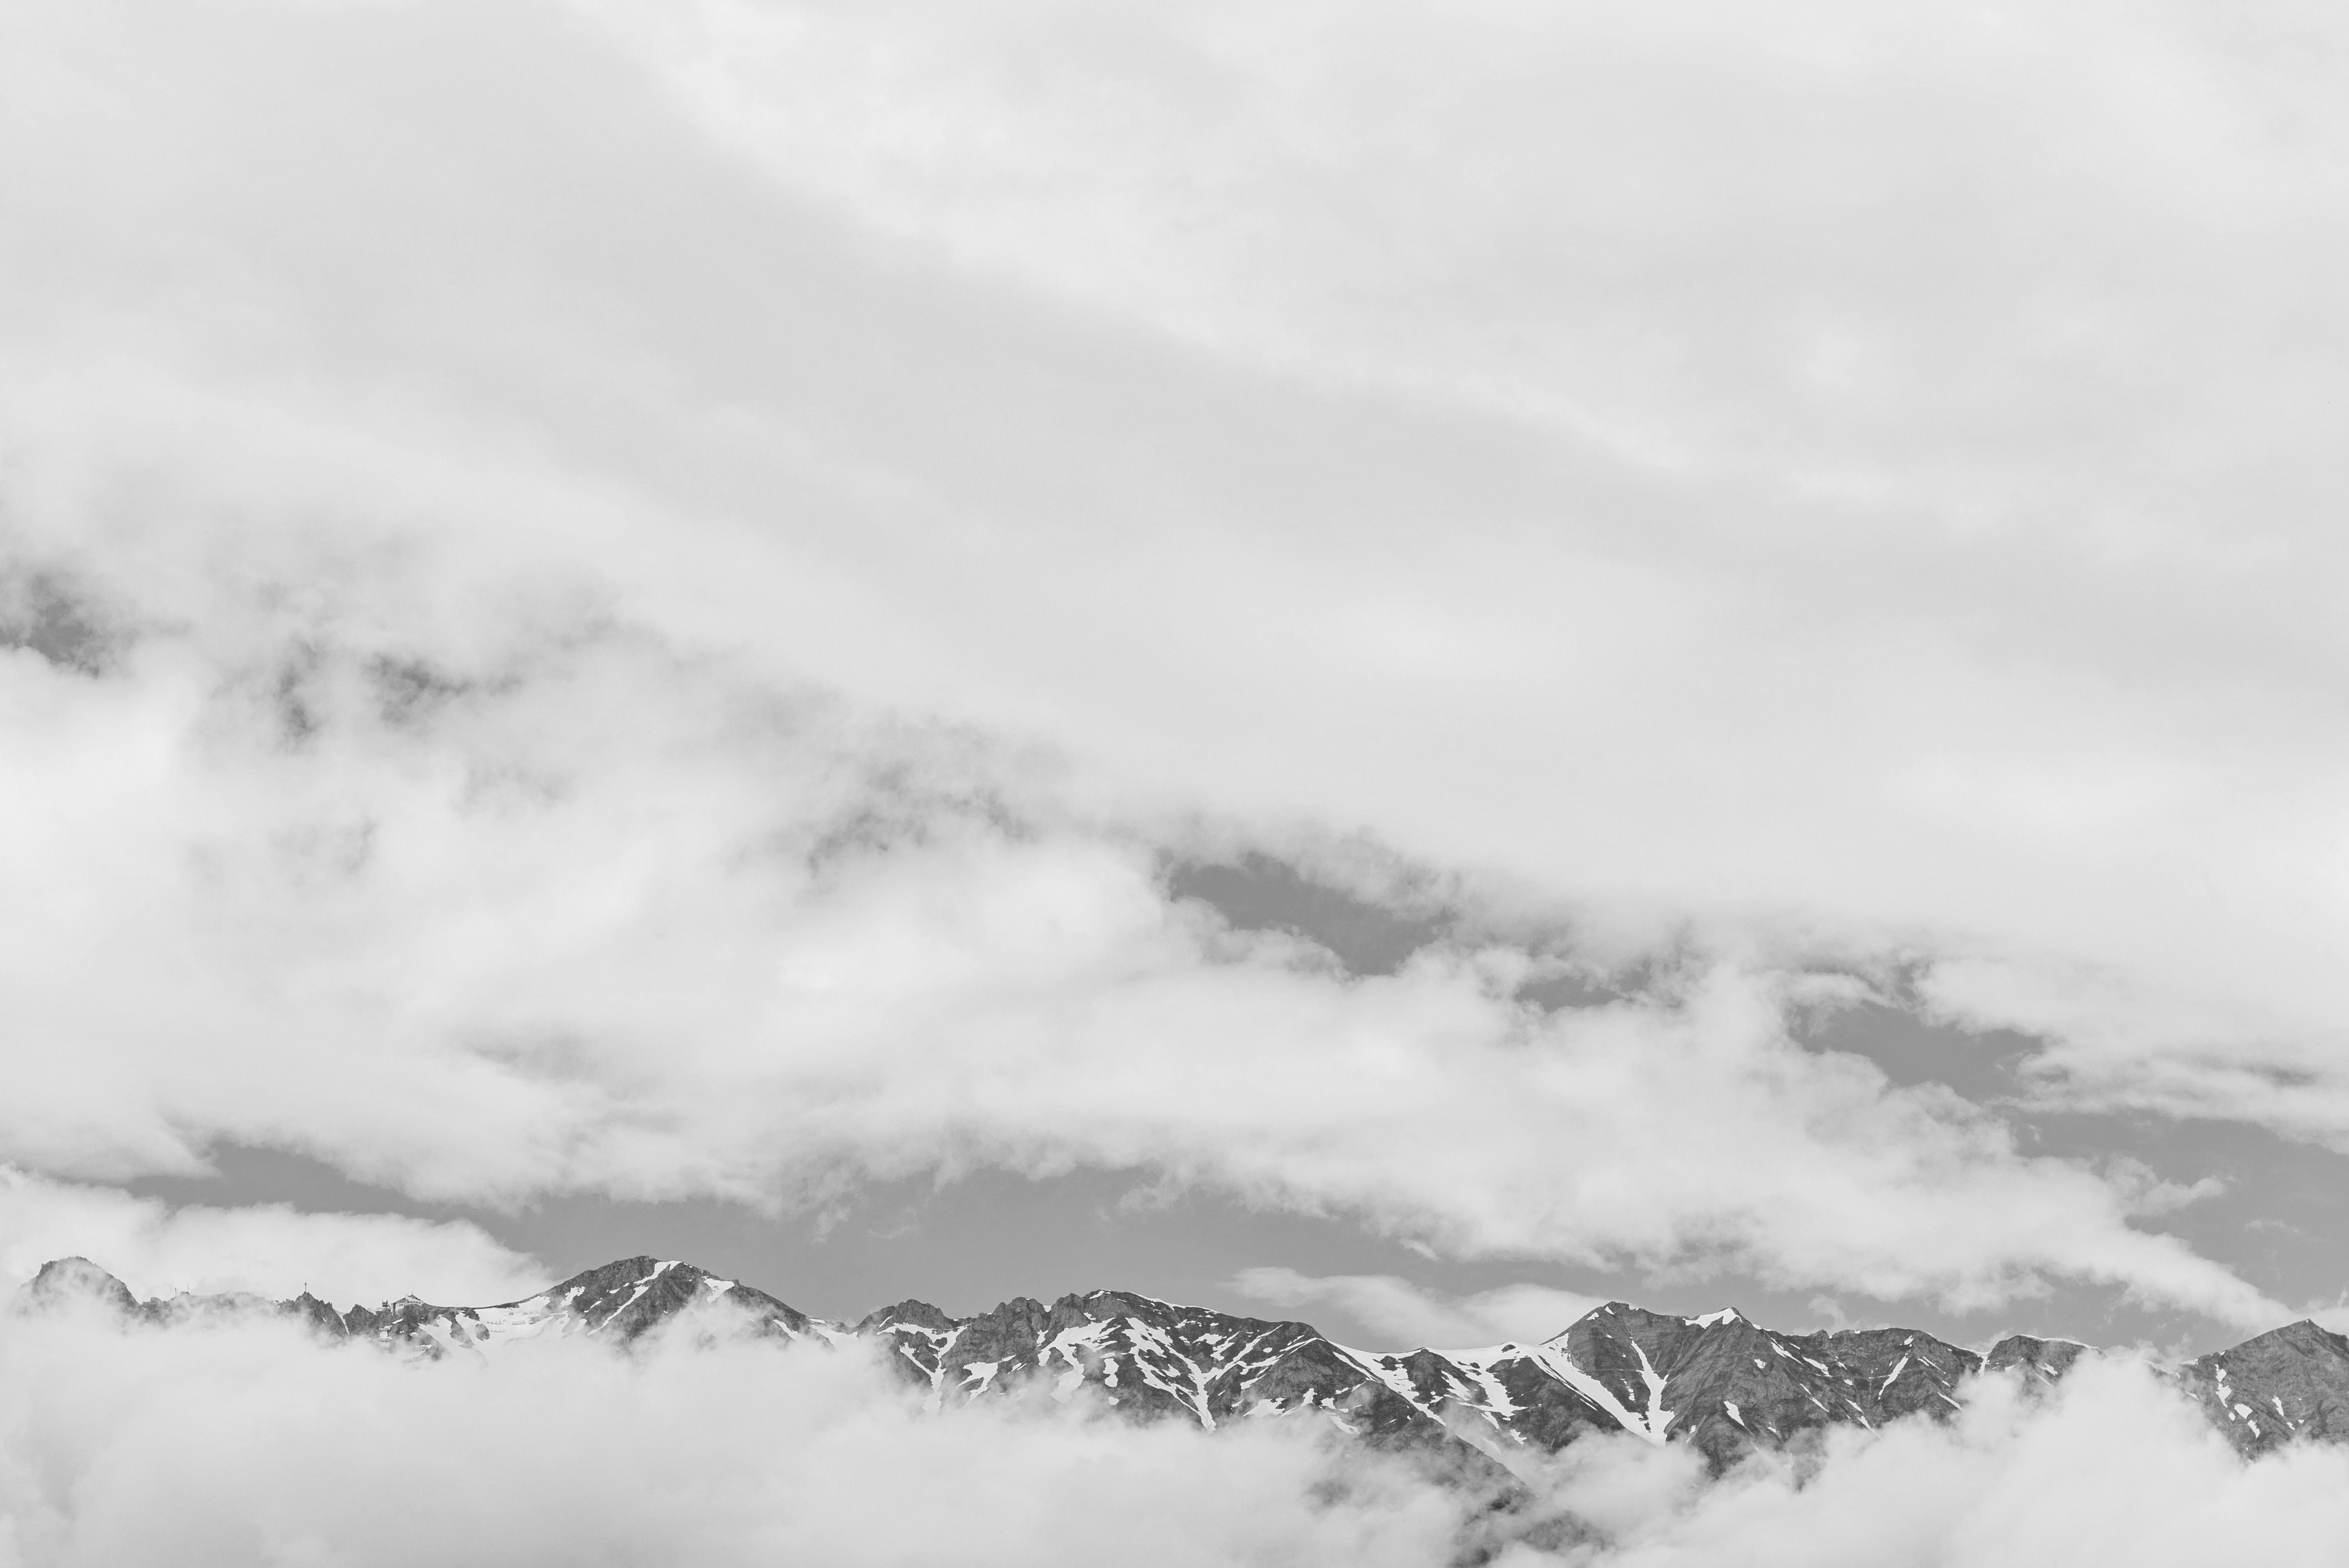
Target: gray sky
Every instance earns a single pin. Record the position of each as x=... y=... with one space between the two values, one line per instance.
x=1409 y=667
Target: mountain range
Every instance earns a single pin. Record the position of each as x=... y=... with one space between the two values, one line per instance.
x=1721 y=1383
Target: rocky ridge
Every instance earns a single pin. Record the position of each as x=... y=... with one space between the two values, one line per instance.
x=1720 y=1382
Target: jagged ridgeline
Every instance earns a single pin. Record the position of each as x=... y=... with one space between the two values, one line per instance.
x=1719 y=1382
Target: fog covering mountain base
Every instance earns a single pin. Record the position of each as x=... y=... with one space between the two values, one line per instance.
x=1720 y=1383
x=642 y=1413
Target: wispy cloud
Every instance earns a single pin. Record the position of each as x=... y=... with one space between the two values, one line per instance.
x=235 y=1443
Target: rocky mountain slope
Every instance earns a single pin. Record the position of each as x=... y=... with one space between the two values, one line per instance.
x=2290 y=1382
x=1719 y=1382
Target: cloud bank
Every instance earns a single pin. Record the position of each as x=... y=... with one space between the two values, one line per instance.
x=248 y=1443
x=2116 y=1469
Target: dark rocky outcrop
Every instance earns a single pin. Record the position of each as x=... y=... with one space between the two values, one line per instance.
x=2289 y=1383
x=2038 y=1362
x=75 y=1281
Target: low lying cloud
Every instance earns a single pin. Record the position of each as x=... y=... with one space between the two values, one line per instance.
x=268 y=1250
x=242 y=1442
x=251 y=1443
x=2115 y=1469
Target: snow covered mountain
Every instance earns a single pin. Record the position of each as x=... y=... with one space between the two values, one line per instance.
x=1719 y=1382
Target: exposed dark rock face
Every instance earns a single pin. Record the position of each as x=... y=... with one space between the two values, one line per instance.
x=2040 y=1362
x=79 y=1281
x=1152 y=1360
x=1727 y=1386
x=2290 y=1382
x=1719 y=1383
x=321 y=1317
x=74 y=1282
x=618 y=1301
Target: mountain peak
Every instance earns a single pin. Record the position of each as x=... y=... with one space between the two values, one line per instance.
x=75 y=1280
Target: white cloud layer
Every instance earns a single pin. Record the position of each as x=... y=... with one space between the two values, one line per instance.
x=268 y=1250
x=250 y=1443
x=1851 y=489
x=2116 y=1469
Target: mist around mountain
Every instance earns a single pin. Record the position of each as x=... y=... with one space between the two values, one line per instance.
x=1719 y=1384
x=650 y=1411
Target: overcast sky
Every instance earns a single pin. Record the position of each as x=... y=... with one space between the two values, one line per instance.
x=1406 y=663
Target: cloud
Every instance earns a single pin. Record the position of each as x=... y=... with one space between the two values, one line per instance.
x=438 y=865
x=652 y=649
x=1404 y=1311
x=236 y=1443
x=2116 y=1467
x=248 y=1443
x=269 y=1249
x=1849 y=529
x=2113 y=1046
x=1808 y=503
